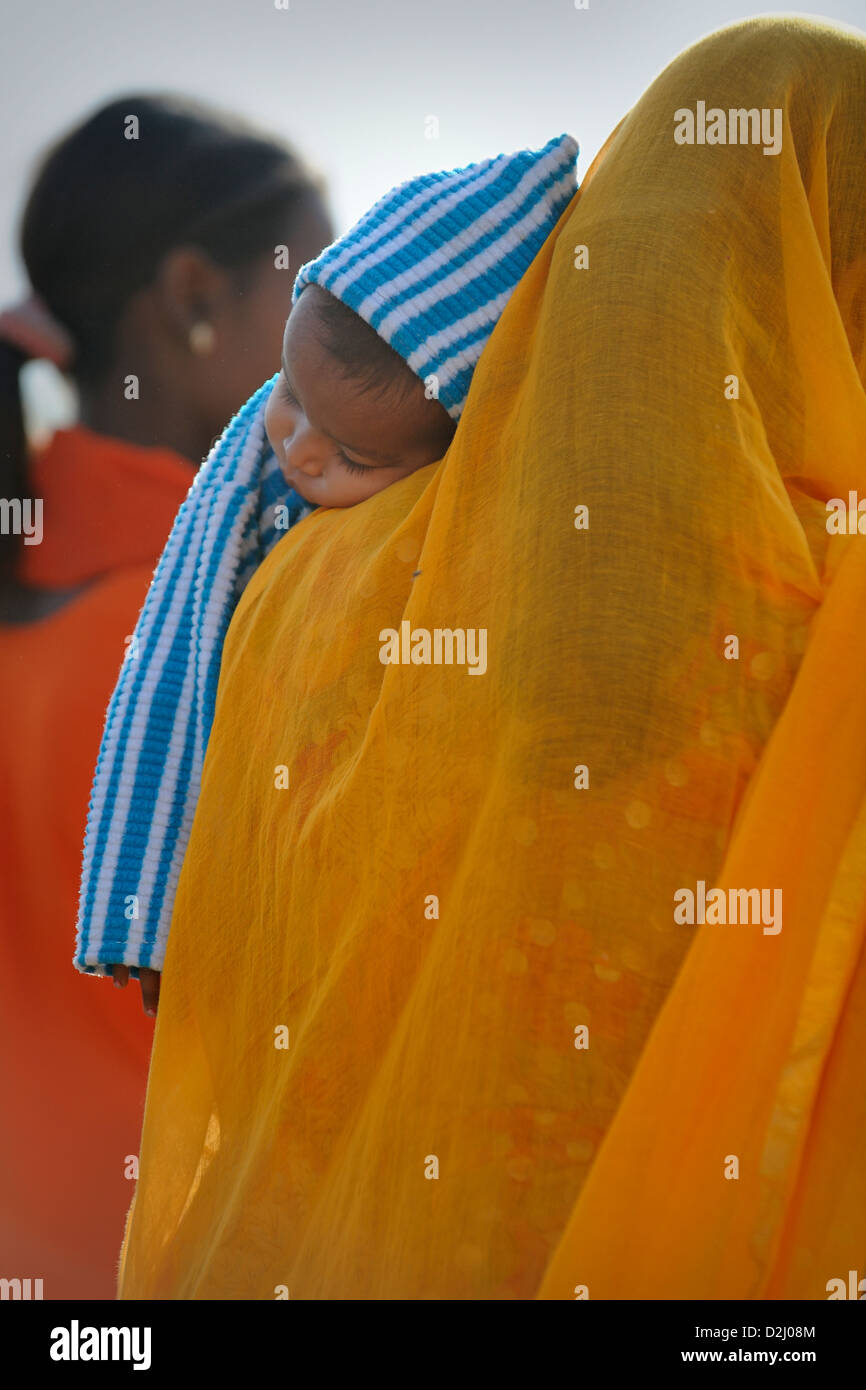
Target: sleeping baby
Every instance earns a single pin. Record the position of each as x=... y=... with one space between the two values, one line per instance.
x=388 y=323
x=386 y=328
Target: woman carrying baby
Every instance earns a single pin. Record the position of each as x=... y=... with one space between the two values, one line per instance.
x=430 y=1026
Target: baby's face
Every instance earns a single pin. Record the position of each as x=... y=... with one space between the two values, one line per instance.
x=338 y=443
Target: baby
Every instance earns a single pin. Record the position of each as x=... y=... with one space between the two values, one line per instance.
x=347 y=417
x=388 y=323
x=386 y=328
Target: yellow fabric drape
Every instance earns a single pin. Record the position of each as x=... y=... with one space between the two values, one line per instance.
x=432 y=908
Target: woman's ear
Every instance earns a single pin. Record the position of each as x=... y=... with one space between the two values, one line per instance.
x=189 y=290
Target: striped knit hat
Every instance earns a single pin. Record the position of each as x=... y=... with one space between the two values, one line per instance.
x=432 y=265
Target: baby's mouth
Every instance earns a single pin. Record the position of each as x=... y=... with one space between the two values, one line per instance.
x=296 y=486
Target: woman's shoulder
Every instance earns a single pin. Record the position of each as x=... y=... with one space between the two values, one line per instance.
x=101 y=508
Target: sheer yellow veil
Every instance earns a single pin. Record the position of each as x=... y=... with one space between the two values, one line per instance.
x=429 y=1026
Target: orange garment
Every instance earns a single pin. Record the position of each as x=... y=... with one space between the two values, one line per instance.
x=75 y=1053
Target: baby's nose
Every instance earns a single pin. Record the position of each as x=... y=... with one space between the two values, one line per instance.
x=303 y=452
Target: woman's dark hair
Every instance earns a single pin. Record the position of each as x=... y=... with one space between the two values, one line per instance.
x=110 y=199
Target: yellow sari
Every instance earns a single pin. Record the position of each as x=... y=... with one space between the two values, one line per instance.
x=430 y=1027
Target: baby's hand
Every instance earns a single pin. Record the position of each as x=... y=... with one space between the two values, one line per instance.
x=149 y=980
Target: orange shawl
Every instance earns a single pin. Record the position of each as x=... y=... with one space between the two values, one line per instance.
x=75 y=1054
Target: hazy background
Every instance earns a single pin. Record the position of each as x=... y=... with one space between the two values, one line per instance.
x=349 y=82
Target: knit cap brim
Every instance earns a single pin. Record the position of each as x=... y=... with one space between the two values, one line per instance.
x=433 y=263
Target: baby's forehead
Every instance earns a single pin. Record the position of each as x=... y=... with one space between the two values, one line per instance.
x=323 y=336
x=345 y=334
x=352 y=386
x=304 y=315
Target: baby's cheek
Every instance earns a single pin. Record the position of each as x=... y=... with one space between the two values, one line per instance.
x=275 y=426
x=378 y=485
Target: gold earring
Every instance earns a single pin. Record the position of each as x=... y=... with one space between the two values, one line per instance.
x=202 y=338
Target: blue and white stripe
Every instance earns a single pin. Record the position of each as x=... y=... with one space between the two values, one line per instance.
x=148 y=775
x=432 y=265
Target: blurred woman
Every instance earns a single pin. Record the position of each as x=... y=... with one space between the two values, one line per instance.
x=160 y=239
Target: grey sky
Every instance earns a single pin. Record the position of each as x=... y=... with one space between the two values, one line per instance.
x=351 y=83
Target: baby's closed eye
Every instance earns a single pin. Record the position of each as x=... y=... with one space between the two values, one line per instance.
x=354 y=467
